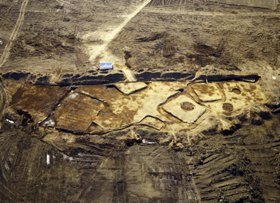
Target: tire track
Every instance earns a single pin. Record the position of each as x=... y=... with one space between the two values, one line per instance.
x=165 y=11
x=225 y=177
x=272 y=5
x=6 y=52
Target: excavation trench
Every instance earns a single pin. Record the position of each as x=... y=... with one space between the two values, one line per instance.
x=116 y=76
x=158 y=104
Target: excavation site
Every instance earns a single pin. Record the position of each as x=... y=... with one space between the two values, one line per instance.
x=139 y=101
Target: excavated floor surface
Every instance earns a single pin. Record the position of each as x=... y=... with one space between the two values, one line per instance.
x=190 y=113
x=140 y=142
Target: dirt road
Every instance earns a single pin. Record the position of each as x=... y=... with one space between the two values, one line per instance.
x=212 y=14
x=101 y=49
x=14 y=33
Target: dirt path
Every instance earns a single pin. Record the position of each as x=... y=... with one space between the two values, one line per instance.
x=128 y=74
x=213 y=14
x=14 y=33
x=64 y=2
x=101 y=49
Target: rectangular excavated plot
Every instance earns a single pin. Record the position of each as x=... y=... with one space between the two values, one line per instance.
x=208 y=92
x=37 y=101
x=238 y=97
x=184 y=108
x=77 y=112
x=109 y=117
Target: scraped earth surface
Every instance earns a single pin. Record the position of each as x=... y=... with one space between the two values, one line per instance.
x=164 y=141
x=190 y=113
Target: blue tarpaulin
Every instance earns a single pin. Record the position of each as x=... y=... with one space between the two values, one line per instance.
x=106 y=66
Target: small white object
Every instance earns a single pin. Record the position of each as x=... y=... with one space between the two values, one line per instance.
x=144 y=141
x=48 y=159
x=73 y=96
x=106 y=66
x=10 y=121
x=1 y=42
x=273 y=77
x=65 y=157
x=49 y=123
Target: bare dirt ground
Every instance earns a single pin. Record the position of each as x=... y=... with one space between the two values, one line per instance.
x=213 y=137
x=163 y=35
x=193 y=35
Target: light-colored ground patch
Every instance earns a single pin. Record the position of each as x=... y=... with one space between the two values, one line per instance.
x=129 y=88
x=184 y=108
x=152 y=122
